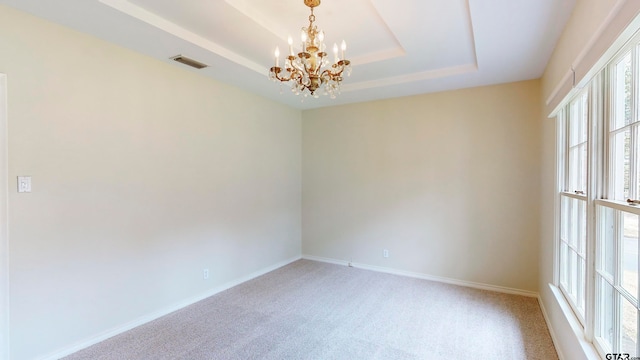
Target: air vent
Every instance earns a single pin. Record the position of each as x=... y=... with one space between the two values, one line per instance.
x=185 y=60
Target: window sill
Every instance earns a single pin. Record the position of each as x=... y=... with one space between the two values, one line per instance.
x=618 y=205
x=582 y=197
x=586 y=346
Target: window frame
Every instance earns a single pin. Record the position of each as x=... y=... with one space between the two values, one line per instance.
x=602 y=175
x=577 y=299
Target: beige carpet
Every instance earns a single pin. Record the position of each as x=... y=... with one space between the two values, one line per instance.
x=312 y=310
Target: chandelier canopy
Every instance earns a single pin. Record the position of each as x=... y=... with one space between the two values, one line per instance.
x=309 y=70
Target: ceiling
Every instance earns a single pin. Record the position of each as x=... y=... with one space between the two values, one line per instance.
x=397 y=47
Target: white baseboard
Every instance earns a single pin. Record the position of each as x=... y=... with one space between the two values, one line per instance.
x=445 y=280
x=158 y=314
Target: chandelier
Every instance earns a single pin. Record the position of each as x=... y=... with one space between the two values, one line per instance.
x=309 y=70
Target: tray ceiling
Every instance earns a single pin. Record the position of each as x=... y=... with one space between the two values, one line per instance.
x=397 y=48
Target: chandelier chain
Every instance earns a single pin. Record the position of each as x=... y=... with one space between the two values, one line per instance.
x=312 y=18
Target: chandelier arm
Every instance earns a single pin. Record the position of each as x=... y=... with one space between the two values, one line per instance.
x=298 y=66
x=306 y=69
x=326 y=74
x=338 y=71
x=298 y=77
x=335 y=70
x=278 y=77
x=283 y=78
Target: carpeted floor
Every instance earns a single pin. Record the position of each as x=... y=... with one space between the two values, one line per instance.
x=313 y=310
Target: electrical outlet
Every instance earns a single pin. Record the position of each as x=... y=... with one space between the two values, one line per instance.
x=24 y=184
x=205 y=274
x=385 y=253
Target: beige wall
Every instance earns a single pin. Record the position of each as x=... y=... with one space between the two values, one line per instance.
x=447 y=182
x=143 y=175
x=586 y=18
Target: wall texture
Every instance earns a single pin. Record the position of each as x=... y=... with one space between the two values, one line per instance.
x=585 y=20
x=447 y=182
x=143 y=175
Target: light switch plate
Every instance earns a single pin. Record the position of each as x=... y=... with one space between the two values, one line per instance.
x=24 y=184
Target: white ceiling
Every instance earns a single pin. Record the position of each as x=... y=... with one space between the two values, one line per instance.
x=397 y=47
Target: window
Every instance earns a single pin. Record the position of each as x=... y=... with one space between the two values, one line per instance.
x=616 y=273
x=577 y=144
x=573 y=200
x=617 y=281
x=623 y=133
x=599 y=204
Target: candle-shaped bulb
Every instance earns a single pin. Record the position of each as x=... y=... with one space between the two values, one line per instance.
x=277 y=54
x=290 y=42
x=343 y=47
x=335 y=52
x=320 y=40
x=303 y=36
